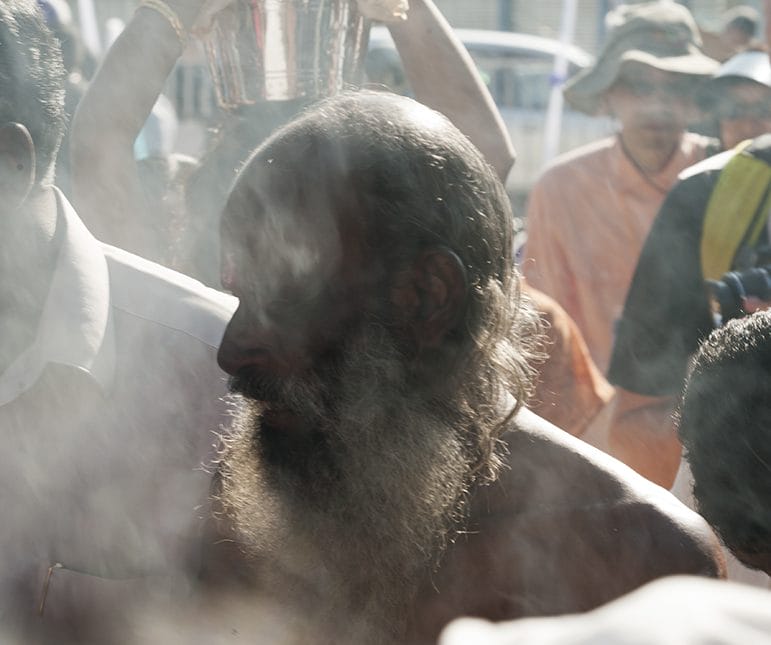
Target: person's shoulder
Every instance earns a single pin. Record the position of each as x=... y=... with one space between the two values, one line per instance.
x=159 y=295
x=584 y=157
x=712 y=164
x=761 y=148
x=552 y=454
x=572 y=528
x=697 y=180
x=699 y=145
x=579 y=481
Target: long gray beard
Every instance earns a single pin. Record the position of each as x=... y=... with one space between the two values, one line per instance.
x=378 y=499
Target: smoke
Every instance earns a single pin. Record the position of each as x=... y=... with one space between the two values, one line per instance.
x=102 y=483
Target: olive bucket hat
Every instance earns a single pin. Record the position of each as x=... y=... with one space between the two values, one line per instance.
x=661 y=34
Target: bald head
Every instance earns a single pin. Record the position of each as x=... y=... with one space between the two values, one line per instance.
x=391 y=163
x=386 y=179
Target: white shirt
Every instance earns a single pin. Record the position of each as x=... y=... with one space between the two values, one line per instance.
x=678 y=610
x=106 y=420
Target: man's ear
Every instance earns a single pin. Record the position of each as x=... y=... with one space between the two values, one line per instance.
x=431 y=295
x=17 y=165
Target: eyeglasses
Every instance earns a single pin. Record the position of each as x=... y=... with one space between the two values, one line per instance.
x=640 y=88
x=730 y=111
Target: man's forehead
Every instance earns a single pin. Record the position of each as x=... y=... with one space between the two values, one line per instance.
x=271 y=231
x=274 y=229
x=297 y=186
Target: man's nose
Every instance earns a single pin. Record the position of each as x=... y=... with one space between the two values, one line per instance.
x=256 y=342
x=247 y=343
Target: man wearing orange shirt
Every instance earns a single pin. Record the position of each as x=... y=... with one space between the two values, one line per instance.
x=589 y=214
x=570 y=391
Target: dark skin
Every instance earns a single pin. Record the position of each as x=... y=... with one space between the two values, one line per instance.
x=563 y=529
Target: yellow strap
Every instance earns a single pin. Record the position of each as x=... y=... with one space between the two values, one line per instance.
x=734 y=209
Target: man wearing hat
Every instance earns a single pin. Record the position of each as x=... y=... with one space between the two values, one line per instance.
x=739 y=97
x=588 y=215
x=741 y=28
x=713 y=221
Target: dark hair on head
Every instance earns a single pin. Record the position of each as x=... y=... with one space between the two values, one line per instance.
x=744 y=18
x=409 y=177
x=725 y=427
x=31 y=80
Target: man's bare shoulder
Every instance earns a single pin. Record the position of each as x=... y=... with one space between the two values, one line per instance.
x=565 y=474
x=568 y=478
x=574 y=528
x=565 y=529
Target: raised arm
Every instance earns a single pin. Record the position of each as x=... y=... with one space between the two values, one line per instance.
x=443 y=76
x=105 y=181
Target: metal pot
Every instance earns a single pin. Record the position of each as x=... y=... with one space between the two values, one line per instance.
x=279 y=50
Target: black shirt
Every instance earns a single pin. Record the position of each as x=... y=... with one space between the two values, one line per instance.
x=667 y=311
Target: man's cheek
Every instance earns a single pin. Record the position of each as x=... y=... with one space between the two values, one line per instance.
x=751 y=304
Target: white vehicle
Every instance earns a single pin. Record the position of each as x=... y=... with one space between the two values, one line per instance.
x=518 y=70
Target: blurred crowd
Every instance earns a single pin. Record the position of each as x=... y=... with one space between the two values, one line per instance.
x=310 y=387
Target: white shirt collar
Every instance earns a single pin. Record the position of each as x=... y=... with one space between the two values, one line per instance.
x=76 y=325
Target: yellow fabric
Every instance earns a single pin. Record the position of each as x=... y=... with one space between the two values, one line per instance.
x=738 y=205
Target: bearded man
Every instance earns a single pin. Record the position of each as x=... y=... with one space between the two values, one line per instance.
x=383 y=476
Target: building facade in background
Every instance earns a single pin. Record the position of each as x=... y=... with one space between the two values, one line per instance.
x=190 y=89
x=541 y=18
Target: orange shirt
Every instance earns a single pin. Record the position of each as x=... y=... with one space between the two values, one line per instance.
x=570 y=391
x=587 y=219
